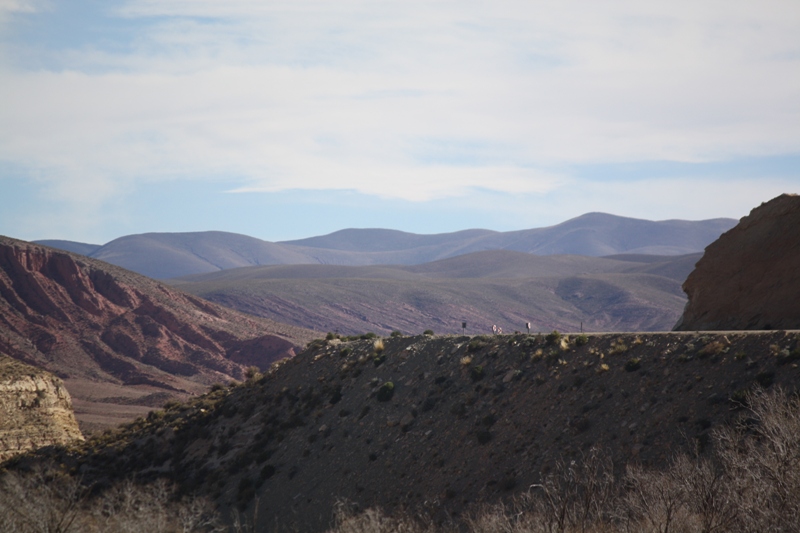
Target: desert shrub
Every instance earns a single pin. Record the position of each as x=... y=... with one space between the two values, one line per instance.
x=379 y=359
x=252 y=373
x=386 y=392
x=477 y=373
x=330 y=336
x=633 y=364
x=581 y=340
x=711 y=349
x=47 y=501
x=765 y=379
x=428 y=332
x=374 y=520
x=396 y=333
x=476 y=345
x=378 y=345
x=172 y=404
x=618 y=348
x=367 y=336
x=344 y=352
x=786 y=356
x=553 y=337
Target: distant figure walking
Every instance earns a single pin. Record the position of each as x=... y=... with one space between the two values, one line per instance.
x=499 y=331
x=494 y=329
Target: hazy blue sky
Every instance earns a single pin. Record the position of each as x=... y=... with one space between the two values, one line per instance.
x=286 y=119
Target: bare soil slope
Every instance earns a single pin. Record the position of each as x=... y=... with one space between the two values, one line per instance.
x=120 y=339
x=439 y=424
x=750 y=277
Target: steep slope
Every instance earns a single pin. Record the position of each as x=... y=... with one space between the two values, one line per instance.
x=113 y=334
x=35 y=410
x=465 y=421
x=168 y=255
x=748 y=278
x=498 y=287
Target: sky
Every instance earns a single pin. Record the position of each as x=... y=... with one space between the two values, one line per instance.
x=289 y=119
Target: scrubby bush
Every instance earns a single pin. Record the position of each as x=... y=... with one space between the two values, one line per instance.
x=386 y=392
x=428 y=332
x=477 y=373
x=581 y=340
x=252 y=373
x=396 y=333
x=633 y=364
x=553 y=337
x=618 y=348
x=476 y=345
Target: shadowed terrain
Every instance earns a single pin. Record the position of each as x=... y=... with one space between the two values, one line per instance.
x=439 y=424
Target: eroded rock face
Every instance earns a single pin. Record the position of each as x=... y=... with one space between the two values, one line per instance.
x=35 y=410
x=749 y=279
x=91 y=322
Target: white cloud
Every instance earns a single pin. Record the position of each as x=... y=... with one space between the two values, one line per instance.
x=306 y=94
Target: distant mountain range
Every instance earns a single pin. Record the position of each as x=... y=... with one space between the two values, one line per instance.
x=171 y=255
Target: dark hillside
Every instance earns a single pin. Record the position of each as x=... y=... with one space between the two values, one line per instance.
x=439 y=424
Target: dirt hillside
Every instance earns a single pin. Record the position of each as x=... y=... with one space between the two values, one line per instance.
x=439 y=424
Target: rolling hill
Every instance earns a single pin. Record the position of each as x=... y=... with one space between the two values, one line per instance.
x=169 y=255
x=627 y=293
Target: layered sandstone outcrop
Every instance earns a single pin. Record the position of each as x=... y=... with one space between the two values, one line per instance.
x=35 y=410
x=749 y=278
x=104 y=330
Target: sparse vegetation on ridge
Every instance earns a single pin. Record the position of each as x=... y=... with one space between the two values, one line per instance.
x=751 y=483
x=315 y=421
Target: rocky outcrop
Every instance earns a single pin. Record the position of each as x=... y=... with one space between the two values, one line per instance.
x=35 y=410
x=90 y=322
x=748 y=279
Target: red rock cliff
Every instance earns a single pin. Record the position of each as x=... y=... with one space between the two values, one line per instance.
x=86 y=320
x=749 y=278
